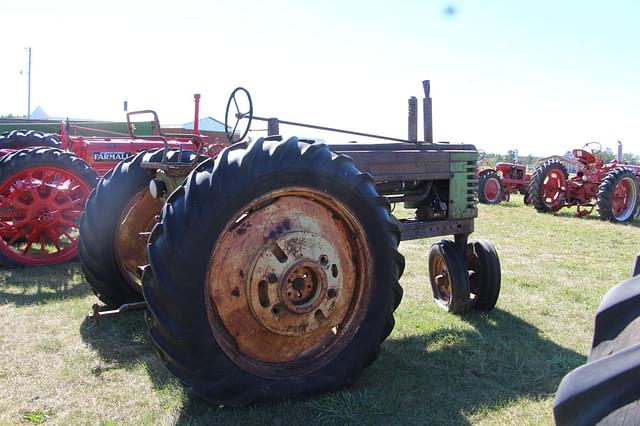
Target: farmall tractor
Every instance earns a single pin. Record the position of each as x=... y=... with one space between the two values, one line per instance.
x=613 y=188
x=45 y=180
x=497 y=184
x=272 y=269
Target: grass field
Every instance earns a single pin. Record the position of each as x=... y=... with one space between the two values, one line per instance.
x=488 y=369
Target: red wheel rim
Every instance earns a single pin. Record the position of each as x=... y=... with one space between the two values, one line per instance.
x=553 y=187
x=40 y=208
x=492 y=190
x=624 y=199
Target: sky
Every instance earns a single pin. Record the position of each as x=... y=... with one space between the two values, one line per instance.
x=542 y=77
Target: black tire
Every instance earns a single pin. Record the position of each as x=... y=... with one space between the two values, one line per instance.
x=605 y=390
x=484 y=281
x=541 y=201
x=18 y=139
x=103 y=266
x=37 y=162
x=486 y=179
x=198 y=219
x=447 y=263
x=606 y=195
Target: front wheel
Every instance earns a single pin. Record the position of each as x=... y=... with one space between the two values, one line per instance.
x=449 y=277
x=292 y=274
x=484 y=274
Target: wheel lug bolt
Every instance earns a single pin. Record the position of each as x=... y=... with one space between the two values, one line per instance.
x=272 y=277
x=324 y=260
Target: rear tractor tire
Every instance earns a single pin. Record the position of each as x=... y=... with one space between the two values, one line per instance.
x=618 y=194
x=490 y=188
x=449 y=277
x=115 y=226
x=42 y=195
x=19 y=139
x=274 y=273
x=547 y=186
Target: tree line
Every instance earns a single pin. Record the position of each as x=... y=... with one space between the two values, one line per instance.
x=490 y=159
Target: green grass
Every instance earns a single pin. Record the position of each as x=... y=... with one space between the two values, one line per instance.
x=488 y=369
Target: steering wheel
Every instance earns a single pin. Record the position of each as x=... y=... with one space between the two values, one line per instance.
x=241 y=101
x=586 y=154
x=594 y=147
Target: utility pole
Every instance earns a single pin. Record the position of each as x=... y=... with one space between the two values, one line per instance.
x=29 y=87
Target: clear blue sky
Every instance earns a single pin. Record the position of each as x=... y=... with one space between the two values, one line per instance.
x=539 y=76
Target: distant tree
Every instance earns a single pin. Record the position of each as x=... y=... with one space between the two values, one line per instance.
x=630 y=158
x=606 y=155
x=10 y=116
x=529 y=159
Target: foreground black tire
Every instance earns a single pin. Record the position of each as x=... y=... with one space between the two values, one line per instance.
x=274 y=273
x=18 y=139
x=112 y=229
x=605 y=390
x=484 y=281
x=449 y=277
x=547 y=186
x=618 y=194
x=490 y=188
x=42 y=195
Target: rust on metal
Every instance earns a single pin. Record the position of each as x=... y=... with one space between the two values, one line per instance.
x=442 y=279
x=134 y=225
x=96 y=314
x=303 y=293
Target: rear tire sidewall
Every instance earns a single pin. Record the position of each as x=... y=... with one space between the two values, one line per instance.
x=233 y=384
x=606 y=191
x=99 y=224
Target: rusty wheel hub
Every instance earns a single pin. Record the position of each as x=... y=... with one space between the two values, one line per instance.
x=442 y=279
x=287 y=282
x=293 y=294
x=134 y=225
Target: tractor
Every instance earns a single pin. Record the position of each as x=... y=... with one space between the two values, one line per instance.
x=45 y=180
x=497 y=184
x=271 y=270
x=612 y=188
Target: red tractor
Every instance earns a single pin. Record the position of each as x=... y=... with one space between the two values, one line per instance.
x=46 y=179
x=496 y=185
x=612 y=188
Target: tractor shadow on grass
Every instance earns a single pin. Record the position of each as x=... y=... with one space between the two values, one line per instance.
x=123 y=342
x=442 y=377
x=30 y=285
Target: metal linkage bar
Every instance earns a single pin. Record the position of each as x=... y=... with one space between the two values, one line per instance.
x=331 y=129
x=97 y=314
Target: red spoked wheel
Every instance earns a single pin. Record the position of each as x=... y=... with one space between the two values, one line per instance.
x=42 y=195
x=548 y=186
x=618 y=195
x=490 y=188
